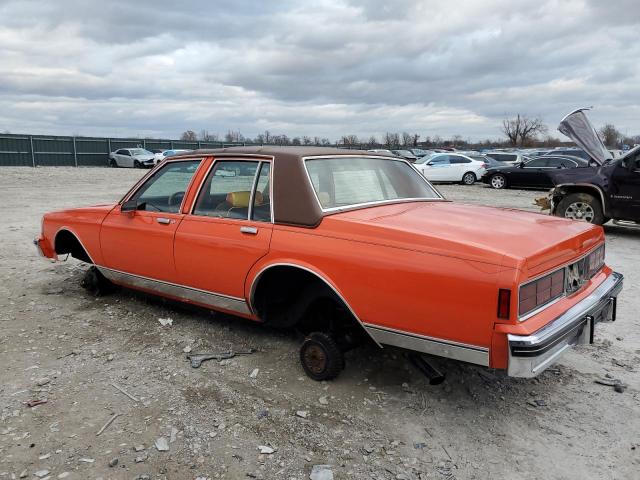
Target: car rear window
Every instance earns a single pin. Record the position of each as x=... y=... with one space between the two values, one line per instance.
x=352 y=181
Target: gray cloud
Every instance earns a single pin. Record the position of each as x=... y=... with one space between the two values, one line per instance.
x=327 y=68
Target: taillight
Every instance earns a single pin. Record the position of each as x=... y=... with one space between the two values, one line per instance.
x=504 y=303
x=539 y=292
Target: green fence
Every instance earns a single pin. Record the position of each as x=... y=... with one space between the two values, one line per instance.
x=42 y=150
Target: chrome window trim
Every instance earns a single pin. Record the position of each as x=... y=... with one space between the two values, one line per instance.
x=254 y=282
x=522 y=318
x=368 y=204
x=247 y=158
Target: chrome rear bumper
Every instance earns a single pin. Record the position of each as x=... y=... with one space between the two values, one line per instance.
x=531 y=354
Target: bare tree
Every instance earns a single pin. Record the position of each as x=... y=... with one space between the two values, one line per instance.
x=234 y=136
x=415 y=138
x=306 y=140
x=349 y=140
x=189 y=136
x=391 y=140
x=520 y=130
x=205 y=136
x=610 y=135
x=373 y=141
x=407 y=139
x=296 y=141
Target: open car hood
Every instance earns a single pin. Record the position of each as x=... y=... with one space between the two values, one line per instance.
x=578 y=128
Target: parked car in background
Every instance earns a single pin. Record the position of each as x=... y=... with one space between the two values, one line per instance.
x=507 y=157
x=132 y=157
x=572 y=152
x=288 y=240
x=381 y=150
x=487 y=160
x=406 y=154
x=535 y=173
x=610 y=190
x=451 y=167
x=419 y=152
x=171 y=153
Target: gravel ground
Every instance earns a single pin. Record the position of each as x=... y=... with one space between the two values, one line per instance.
x=380 y=419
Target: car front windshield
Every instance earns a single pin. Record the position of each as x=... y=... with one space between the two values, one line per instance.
x=345 y=182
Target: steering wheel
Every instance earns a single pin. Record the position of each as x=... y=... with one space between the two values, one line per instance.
x=175 y=199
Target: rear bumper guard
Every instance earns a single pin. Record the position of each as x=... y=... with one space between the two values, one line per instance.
x=531 y=354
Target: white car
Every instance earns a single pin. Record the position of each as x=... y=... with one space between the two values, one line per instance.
x=132 y=157
x=162 y=154
x=451 y=167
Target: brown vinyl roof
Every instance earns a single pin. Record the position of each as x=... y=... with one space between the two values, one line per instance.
x=294 y=201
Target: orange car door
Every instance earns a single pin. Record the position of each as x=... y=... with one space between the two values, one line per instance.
x=228 y=230
x=140 y=241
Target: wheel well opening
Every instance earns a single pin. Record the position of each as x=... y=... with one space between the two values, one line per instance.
x=67 y=242
x=287 y=296
x=565 y=190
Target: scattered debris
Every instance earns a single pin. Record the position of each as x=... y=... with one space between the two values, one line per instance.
x=174 y=432
x=254 y=373
x=609 y=381
x=86 y=460
x=64 y=475
x=41 y=382
x=138 y=448
x=113 y=462
x=35 y=403
x=302 y=413
x=263 y=414
x=321 y=472
x=324 y=400
x=419 y=445
x=109 y=422
x=41 y=473
x=44 y=457
x=266 y=450
x=161 y=444
x=166 y=321
x=537 y=403
x=197 y=358
x=24 y=474
x=121 y=390
x=187 y=349
x=141 y=458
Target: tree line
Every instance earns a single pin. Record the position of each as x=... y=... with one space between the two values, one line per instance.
x=520 y=131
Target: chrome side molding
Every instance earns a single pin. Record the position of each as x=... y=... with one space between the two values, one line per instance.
x=434 y=346
x=187 y=294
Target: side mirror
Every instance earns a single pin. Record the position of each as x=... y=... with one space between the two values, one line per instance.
x=129 y=206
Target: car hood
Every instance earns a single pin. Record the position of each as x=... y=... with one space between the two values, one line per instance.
x=578 y=128
x=498 y=236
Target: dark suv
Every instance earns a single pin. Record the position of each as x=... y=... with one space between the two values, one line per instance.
x=600 y=193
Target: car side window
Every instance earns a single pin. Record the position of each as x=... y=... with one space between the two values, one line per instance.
x=120 y=152
x=440 y=160
x=226 y=193
x=165 y=190
x=261 y=211
x=457 y=159
x=536 y=163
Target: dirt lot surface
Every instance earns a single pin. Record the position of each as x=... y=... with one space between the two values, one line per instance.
x=380 y=419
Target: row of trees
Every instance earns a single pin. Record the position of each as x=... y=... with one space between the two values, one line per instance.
x=520 y=131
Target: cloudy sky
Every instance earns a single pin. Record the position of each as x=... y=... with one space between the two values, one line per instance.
x=325 y=68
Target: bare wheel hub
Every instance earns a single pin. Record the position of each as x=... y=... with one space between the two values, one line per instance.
x=315 y=358
x=580 y=211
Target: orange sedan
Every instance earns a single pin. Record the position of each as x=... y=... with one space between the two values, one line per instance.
x=347 y=246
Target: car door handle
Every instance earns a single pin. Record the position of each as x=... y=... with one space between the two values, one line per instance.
x=163 y=220
x=249 y=230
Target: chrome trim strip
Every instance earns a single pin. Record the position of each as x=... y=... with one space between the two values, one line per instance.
x=368 y=204
x=434 y=346
x=252 y=291
x=68 y=229
x=252 y=193
x=212 y=299
x=560 y=332
x=537 y=277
